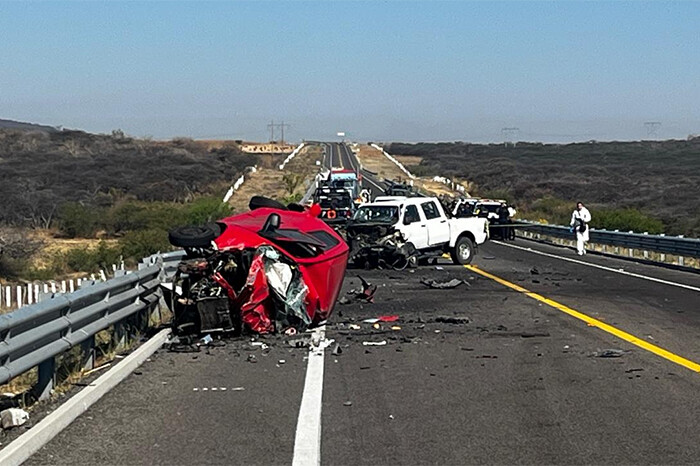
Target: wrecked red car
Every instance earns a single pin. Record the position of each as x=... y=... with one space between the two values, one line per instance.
x=274 y=269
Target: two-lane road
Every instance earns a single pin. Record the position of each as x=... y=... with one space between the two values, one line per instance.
x=339 y=155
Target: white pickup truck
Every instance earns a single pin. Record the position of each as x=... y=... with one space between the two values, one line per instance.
x=420 y=223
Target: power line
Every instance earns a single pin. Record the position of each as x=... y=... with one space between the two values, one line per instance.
x=510 y=135
x=271 y=127
x=279 y=126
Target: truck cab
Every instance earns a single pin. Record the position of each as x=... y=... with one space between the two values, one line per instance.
x=345 y=179
x=422 y=222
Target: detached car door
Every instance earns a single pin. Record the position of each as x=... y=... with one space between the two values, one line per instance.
x=414 y=227
x=438 y=228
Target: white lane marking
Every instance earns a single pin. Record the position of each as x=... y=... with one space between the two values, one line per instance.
x=307 y=443
x=602 y=267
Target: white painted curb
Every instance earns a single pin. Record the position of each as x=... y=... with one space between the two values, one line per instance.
x=31 y=441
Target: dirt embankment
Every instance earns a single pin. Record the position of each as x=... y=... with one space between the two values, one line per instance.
x=283 y=185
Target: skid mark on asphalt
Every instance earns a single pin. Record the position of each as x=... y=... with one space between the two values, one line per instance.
x=602 y=267
x=681 y=361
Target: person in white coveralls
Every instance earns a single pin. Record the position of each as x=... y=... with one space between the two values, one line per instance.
x=579 y=223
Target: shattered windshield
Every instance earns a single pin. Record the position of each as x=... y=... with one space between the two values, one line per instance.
x=376 y=213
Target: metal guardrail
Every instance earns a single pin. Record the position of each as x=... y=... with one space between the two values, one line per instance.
x=683 y=247
x=35 y=335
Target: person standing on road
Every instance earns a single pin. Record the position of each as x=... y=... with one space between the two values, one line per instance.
x=579 y=223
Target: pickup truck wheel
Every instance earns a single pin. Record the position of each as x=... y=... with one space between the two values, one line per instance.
x=463 y=252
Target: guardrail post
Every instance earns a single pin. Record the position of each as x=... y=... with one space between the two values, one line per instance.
x=120 y=336
x=46 y=379
x=87 y=353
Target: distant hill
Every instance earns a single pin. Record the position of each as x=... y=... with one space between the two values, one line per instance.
x=658 y=178
x=40 y=171
x=22 y=126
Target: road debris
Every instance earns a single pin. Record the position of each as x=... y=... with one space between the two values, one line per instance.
x=13 y=417
x=454 y=283
x=363 y=294
x=452 y=320
x=384 y=319
x=609 y=353
x=374 y=343
x=96 y=369
x=391 y=318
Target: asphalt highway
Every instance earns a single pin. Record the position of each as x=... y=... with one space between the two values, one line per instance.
x=339 y=155
x=519 y=381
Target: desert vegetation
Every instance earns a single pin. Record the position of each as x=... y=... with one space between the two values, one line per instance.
x=123 y=192
x=641 y=186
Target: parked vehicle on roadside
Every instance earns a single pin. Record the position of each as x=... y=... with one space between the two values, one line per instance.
x=396 y=188
x=415 y=227
x=497 y=212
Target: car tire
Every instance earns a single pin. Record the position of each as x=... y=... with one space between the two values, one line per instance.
x=192 y=236
x=463 y=252
x=257 y=202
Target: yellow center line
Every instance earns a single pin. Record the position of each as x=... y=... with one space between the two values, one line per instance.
x=681 y=361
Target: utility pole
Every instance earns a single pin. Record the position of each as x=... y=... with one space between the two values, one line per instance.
x=271 y=127
x=652 y=128
x=281 y=126
x=510 y=135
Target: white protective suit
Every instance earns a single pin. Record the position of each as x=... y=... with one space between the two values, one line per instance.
x=581 y=237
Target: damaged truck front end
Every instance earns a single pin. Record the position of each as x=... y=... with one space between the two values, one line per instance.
x=264 y=271
x=374 y=245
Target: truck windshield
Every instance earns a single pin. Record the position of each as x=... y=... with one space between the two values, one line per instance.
x=377 y=213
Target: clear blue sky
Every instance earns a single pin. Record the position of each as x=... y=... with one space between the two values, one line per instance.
x=384 y=71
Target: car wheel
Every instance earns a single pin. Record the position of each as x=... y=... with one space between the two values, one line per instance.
x=256 y=202
x=463 y=252
x=192 y=236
